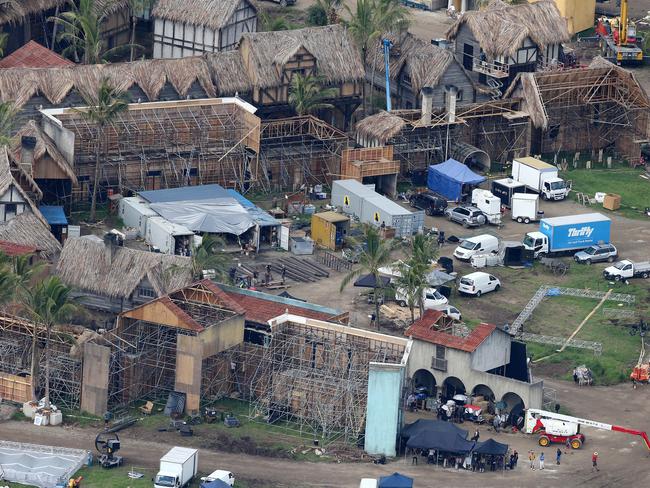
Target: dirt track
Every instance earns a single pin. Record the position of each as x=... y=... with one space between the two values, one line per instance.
x=624 y=460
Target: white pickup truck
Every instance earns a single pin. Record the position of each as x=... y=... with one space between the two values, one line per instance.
x=627 y=269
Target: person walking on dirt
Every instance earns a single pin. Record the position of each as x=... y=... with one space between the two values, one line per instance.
x=568 y=445
x=531 y=458
x=594 y=462
x=541 y=461
x=558 y=455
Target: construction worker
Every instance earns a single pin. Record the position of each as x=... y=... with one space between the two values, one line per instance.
x=558 y=456
x=541 y=460
x=531 y=458
x=594 y=462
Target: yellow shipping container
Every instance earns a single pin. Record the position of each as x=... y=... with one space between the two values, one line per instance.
x=324 y=226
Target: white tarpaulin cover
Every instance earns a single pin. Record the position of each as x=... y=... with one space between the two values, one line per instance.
x=217 y=215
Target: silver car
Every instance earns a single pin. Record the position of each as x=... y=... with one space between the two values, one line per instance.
x=596 y=254
x=467 y=216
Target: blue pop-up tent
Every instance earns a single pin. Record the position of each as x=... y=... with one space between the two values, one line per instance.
x=448 y=178
x=395 y=480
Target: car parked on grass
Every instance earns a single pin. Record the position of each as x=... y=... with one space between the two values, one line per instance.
x=596 y=254
x=431 y=203
x=466 y=216
x=478 y=283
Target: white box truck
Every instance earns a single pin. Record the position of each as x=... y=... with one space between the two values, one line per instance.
x=135 y=212
x=177 y=468
x=540 y=177
x=168 y=238
x=525 y=207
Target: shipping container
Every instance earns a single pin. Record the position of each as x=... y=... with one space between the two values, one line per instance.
x=378 y=210
x=167 y=237
x=505 y=188
x=349 y=195
x=329 y=229
x=134 y=212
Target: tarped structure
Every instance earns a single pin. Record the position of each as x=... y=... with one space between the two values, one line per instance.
x=369 y=281
x=440 y=441
x=395 y=480
x=448 y=178
x=217 y=215
x=426 y=425
x=491 y=447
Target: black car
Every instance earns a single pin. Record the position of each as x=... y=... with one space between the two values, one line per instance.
x=431 y=203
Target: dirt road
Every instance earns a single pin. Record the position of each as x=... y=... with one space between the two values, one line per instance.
x=624 y=460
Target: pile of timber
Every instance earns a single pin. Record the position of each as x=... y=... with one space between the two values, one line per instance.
x=331 y=260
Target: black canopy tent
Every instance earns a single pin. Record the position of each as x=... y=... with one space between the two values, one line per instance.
x=440 y=441
x=427 y=425
x=491 y=447
x=369 y=281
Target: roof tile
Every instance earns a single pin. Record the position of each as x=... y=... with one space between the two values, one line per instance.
x=13 y=249
x=423 y=329
x=33 y=55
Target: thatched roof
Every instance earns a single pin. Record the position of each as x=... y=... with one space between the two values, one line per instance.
x=337 y=57
x=210 y=13
x=7 y=179
x=501 y=30
x=381 y=127
x=425 y=62
x=44 y=147
x=88 y=265
x=228 y=72
x=20 y=84
x=28 y=230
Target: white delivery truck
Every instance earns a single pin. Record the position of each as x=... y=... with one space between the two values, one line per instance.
x=525 y=207
x=177 y=468
x=627 y=269
x=487 y=203
x=540 y=177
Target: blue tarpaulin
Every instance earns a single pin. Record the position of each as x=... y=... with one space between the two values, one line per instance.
x=53 y=214
x=395 y=480
x=449 y=177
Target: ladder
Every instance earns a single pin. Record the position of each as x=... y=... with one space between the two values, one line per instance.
x=528 y=310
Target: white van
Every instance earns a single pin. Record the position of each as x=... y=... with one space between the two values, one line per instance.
x=478 y=283
x=433 y=300
x=368 y=483
x=483 y=244
x=221 y=475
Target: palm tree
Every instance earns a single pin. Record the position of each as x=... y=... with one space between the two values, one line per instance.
x=273 y=23
x=49 y=303
x=7 y=114
x=7 y=286
x=82 y=30
x=411 y=282
x=306 y=94
x=209 y=255
x=135 y=6
x=376 y=253
x=102 y=111
x=24 y=271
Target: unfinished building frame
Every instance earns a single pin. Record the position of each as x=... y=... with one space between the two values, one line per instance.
x=497 y=128
x=299 y=150
x=161 y=145
x=16 y=336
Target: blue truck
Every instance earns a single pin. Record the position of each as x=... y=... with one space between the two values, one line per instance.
x=568 y=234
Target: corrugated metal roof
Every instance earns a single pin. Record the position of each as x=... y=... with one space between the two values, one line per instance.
x=259 y=215
x=185 y=194
x=424 y=330
x=354 y=186
x=387 y=205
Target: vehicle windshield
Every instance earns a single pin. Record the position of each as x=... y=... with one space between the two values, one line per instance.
x=469 y=245
x=467 y=281
x=590 y=250
x=434 y=295
x=620 y=265
x=529 y=241
x=162 y=480
x=558 y=185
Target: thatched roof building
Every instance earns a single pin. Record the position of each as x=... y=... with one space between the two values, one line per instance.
x=501 y=29
x=211 y=13
x=426 y=63
x=89 y=265
x=380 y=127
x=45 y=149
x=28 y=230
x=13 y=177
x=338 y=59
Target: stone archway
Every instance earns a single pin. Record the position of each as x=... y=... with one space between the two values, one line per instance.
x=423 y=378
x=512 y=401
x=484 y=391
x=452 y=386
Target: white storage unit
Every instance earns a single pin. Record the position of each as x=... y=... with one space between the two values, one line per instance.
x=167 y=236
x=134 y=212
x=349 y=195
x=525 y=207
x=487 y=203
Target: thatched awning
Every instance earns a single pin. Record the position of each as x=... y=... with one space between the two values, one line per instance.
x=44 y=147
x=88 y=265
x=425 y=62
x=210 y=13
x=28 y=230
x=8 y=175
x=337 y=58
x=501 y=30
x=380 y=127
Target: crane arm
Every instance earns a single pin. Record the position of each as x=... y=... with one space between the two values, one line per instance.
x=640 y=433
x=622 y=24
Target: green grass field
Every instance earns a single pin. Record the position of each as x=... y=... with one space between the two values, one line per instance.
x=626 y=182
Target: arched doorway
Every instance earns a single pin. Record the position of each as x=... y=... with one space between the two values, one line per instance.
x=514 y=407
x=424 y=381
x=484 y=391
x=452 y=386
